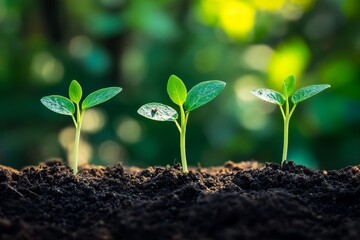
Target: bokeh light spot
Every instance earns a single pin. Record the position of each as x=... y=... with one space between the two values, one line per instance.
x=291 y=57
x=80 y=46
x=305 y=4
x=294 y=9
x=244 y=85
x=129 y=130
x=47 y=68
x=98 y=61
x=85 y=152
x=111 y=152
x=236 y=17
x=272 y=5
x=258 y=57
x=93 y=56
x=94 y=120
x=251 y=113
x=209 y=11
x=67 y=138
x=132 y=65
x=253 y=118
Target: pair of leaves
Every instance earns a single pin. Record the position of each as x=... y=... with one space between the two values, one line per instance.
x=65 y=106
x=298 y=96
x=198 y=96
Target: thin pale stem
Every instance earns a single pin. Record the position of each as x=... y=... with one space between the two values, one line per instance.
x=184 y=118
x=77 y=139
x=286 y=132
x=287 y=115
x=76 y=150
x=292 y=111
x=74 y=120
x=286 y=140
x=282 y=112
x=177 y=125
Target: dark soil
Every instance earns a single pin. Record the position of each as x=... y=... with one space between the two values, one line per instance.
x=237 y=201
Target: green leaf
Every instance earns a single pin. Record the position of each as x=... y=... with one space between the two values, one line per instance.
x=269 y=95
x=289 y=86
x=176 y=90
x=307 y=92
x=100 y=96
x=158 y=112
x=59 y=104
x=75 y=91
x=203 y=93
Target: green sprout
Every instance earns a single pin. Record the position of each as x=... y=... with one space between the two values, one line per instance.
x=199 y=95
x=288 y=89
x=65 y=106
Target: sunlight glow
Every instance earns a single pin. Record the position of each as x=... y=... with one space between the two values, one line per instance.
x=266 y=5
x=291 y=57
x=236 y=17
x=305 y=4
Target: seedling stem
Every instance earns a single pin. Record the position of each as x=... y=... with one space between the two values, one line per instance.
x=198 y=96
x=78 y=123
x=280 y=99
x=286 y=116
x=71 y=107
x=184 y=118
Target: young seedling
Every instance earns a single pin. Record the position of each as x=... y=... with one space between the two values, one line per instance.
x=199 y=95
x=71 y=107
x=288 y=89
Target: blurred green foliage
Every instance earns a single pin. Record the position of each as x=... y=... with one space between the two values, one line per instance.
x=138 y=44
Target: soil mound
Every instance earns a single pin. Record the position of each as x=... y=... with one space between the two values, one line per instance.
x=237 y=201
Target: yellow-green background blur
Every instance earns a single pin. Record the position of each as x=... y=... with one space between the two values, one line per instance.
x=138 y=44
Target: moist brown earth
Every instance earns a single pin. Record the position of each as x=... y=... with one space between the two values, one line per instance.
x=237 y=201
